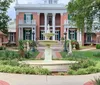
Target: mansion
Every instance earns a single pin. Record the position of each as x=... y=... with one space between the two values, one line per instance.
x=32 y=21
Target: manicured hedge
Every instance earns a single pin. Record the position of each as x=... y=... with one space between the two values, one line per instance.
x=10 y=66
x=98 y=46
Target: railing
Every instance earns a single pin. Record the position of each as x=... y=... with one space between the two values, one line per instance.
x=27 y=22
x=70 y=24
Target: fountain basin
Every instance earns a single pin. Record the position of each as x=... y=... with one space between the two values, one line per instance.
x=48 y=34
x=47 y=42
x=54 y=66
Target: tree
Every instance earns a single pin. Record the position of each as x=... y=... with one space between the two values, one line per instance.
x=83 y=11
x=4 y=18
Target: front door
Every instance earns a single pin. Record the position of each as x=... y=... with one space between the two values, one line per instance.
x=27 y=34
x=41 y=35
x=57 y=35
x=89 y=37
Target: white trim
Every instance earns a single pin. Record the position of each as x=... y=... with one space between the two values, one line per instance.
x=28 y=13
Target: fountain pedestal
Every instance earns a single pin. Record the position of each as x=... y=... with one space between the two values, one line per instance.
x=48 y=53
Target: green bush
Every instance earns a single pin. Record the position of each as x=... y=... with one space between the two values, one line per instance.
x=97 y=81
x=97 y=54
x=10 y=66
x=77 y=46
x=98 y=46
x=71 y=72
x=81 y=72
x=2 y=48
x=82 y=64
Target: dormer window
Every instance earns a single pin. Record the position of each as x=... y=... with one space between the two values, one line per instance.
x=50 y=1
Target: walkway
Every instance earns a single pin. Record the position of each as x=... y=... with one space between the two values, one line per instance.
x=21 y=79
x=87 y=49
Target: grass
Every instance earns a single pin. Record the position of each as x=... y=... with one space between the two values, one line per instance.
x=82 y=54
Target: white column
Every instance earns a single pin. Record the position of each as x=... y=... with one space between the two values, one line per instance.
x=78 y=35
x=67 y=33
x=54 y=25
x=19 y=33
x=45 y=23
x=16 y=2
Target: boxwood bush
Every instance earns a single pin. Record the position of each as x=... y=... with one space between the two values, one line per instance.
x=98 y=46
x=84 y=67
x=12 y=66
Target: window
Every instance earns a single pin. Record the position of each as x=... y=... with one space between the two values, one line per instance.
x=11 y=37
x=28 y=17
x=89 y=37
x=72 y=35
x=50 y=20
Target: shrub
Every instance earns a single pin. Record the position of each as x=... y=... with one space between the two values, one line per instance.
x=71 y=72
x=97 y=54
x=15 y=67
x=2 y=48
x=28 y=54
x=81 y=71
x=97 y=81
x=82 y=64
x=77 y=46
x=98 y=46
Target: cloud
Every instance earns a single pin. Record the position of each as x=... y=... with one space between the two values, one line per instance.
x=11 y=10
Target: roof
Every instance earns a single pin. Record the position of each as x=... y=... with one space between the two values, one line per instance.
x=12 y=26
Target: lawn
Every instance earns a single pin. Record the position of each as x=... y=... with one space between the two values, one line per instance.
x=89 y=62
x=82 y=54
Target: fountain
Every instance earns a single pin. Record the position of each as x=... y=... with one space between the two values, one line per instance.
x=48 y=54
x=48 y=62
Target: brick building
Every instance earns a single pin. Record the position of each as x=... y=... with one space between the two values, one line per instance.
x=32 y=21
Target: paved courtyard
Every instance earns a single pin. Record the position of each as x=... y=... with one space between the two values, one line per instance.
x=21 y=79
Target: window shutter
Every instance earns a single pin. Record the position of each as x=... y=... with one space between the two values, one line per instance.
x=69 y=35
x=30 y=34
x=24 y=16
x=69 y=17
x=75 y=34
x=59 y=35
x=31 y=16
x=23 y=34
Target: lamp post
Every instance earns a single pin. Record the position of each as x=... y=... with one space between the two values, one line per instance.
x=65 y=48
x=33 y=35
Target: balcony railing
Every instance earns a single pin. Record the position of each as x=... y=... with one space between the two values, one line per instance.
x=70 y=24
x=27 y=22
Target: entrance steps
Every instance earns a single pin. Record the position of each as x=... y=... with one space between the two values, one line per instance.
x=56 y=55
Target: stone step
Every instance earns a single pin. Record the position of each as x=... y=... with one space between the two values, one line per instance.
x=58 y=55
x=39 y=55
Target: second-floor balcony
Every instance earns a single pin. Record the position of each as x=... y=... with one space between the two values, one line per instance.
x=27 y=22
x=70 y=24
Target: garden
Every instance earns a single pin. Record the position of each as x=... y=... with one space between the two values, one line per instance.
x=88 y=61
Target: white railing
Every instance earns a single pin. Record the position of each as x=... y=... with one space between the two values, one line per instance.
x=70 y=24
x=27 y=22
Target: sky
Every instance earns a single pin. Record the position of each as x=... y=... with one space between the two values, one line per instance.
x=11 y=10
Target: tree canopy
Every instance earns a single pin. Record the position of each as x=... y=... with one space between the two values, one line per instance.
x=83 y=11
x=4 y=18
